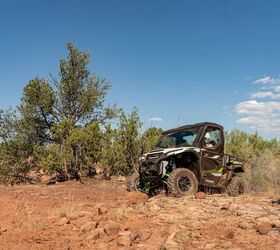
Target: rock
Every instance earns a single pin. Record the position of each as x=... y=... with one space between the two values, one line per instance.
x=244 y=225
x=124 y=242
x=253 y=208
x=263 y=219
x=63 y=221
x=229 y=234
x=274 y=217
x=125 y=233
x=134 y=236
x=200 y=195
x=96 y=234
x=141 y=236
x=144 y=235
x=88 y=227
x=227 y=245
x=112 y=229
x=210 y=246
x=110 y=238
x=225 y=207
x=234 y=207
x=137 y=198
x=170 y=243
x=276 y=223
x=264 y=228
x=124 y=239
x=154 y=208
x=101 y=209
x=121 y=179
x=276 y=202
x=84 y=214
x=3 y=230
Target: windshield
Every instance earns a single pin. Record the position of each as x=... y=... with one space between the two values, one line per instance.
x=178 y=139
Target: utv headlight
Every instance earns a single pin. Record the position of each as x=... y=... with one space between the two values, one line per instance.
x=142 y=158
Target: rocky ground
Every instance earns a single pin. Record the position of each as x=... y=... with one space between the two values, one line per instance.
x=102 y=215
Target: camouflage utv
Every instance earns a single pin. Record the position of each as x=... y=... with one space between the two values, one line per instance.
x=188 y=159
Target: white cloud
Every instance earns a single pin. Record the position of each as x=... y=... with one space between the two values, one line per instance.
x=266 y=94
x=267 y=80
x=265 y=116
x=156 y=119
x=249 y=121
x=262 y=115
x=276 y=88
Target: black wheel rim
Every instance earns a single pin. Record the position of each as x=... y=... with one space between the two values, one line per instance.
x=184 y=184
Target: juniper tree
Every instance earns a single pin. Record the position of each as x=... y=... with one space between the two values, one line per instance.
x=59 y=118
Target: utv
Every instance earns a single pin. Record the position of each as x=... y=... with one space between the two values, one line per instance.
x=188 y=159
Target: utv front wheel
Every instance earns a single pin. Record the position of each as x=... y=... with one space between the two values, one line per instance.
x=182 y=182
x=134 y=182
x=236 y=186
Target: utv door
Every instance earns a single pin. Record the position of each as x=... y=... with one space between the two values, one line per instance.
x=212 y=156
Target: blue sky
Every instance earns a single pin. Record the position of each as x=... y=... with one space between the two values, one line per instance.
x=177 y=61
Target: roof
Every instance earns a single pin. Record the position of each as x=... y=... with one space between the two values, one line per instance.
x=201 y=124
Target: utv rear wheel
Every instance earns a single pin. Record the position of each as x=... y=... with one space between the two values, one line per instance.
x=134 y=182
x=182 y=182
x=236 y=186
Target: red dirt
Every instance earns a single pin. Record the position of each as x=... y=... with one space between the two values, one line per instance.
x=60 y=216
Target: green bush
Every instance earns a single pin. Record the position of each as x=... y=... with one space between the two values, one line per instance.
x=261 y=158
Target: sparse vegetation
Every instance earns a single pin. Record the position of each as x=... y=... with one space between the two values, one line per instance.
x=62 y=126
x=262 y=158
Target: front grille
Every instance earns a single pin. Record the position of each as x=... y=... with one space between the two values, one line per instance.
x=150 y=170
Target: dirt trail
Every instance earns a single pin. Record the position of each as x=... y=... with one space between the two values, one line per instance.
x=102 y=215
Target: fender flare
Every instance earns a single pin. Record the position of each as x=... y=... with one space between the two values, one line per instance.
x=190 y=152
x=238 y=168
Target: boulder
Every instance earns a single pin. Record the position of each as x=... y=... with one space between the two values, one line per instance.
x=87 y=227
x=144 y=235
x=200 y=195
x=63 y=221
x=264 y=228
x=112 y=229
x=137 y=198
x=244 y=225
x=124 y=239
x=96 y=234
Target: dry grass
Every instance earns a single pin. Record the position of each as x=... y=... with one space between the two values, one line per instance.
x=121 y=214
x=70 y=213
x=265 y=176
